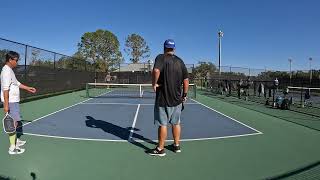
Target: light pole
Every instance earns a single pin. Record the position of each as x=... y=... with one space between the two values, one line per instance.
x=290 y=62
x=310 y=60
x=220 y=35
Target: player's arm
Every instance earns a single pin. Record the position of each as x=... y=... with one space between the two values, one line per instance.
x=185 y=82
x=155 y=78
x=27 y=88
x=156 y=72
x=185 y=89
x=5 y=85
x=6 y=101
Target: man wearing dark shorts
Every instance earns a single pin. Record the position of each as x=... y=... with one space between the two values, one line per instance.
x=169 y=74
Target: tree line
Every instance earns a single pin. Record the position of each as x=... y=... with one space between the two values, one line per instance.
x=97 y=51
x=102 y=48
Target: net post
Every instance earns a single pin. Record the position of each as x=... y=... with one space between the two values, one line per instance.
x=87 y=90
x=301 y=98
x=195 y=91
x=273 y=97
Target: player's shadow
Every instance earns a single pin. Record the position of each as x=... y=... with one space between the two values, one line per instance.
x=20 y=128
x=122 y=133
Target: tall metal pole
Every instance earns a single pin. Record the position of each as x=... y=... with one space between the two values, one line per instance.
x=290 y=62
x=25 y=63
x=310 y=59
x=220 y=35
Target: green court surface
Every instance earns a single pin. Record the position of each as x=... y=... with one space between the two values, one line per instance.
x=282 y=148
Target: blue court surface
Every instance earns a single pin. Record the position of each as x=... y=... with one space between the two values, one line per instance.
x=126 y=119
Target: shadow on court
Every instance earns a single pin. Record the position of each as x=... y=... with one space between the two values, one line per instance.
x=122 y=133
x=5 y=178
x=32 y=174
x=19 y=129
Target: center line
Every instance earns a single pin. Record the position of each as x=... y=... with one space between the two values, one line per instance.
x=134 y=123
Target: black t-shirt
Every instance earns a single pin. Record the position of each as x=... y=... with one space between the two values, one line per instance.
x=172 y=73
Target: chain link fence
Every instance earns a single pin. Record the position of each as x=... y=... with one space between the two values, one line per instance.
x=48 y=71
x=52 y=72
x=298 y=91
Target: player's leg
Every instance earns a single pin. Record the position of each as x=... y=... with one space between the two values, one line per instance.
x=176 y=127
x=160 y=119
x=162 y=136
x=15 y=114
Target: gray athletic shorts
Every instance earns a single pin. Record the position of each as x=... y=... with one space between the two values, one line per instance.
x=14 y=111
x=165 y=115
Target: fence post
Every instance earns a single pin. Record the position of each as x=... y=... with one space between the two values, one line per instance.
x=54 y=61
x=85 y=65
x=25 y=63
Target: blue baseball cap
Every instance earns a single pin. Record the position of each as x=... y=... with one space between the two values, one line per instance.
x=169 y=43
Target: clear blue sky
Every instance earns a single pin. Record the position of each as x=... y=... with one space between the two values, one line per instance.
x=257 y=34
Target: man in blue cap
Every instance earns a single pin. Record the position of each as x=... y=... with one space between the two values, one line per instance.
x=168 y=76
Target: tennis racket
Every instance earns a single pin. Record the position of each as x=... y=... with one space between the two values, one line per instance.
x=8 y=124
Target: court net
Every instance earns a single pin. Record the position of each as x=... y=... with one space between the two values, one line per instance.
x=306 y=98
x=105 y=90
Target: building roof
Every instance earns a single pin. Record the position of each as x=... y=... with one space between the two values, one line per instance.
x=134 y=67
x=140 y=67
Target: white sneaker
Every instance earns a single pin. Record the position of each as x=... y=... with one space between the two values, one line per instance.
x=16 y=150
x=20 y=142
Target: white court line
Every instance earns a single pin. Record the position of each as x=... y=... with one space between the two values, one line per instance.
x=128 y=104
x=155 y=140
x=54 y=112
x=72 y=138
x=134 y=123
x=132 y=104
x=61 y=110
x=259 y=132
